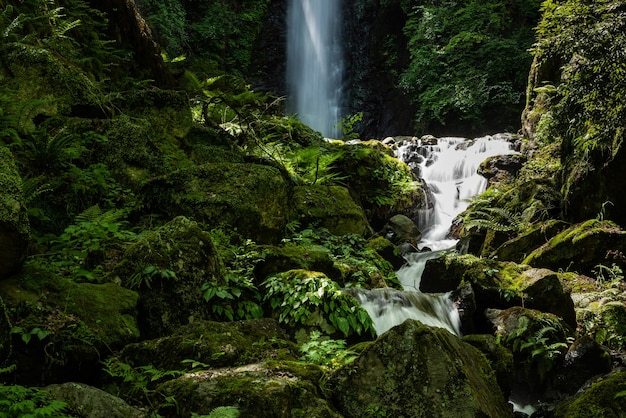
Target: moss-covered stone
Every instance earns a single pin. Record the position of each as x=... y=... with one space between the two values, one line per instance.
x=500 y=358
x=14 y=225
x=602 y=399
x=79 y=322
x=519 y=247
x=251 y=198
x=417 y=371
x=330 y=207
x=216 y=344
x=381 y=184
x=387 y=250
x=85 y=400
x=263 y=390
x=580 y=247
x=293 y=257
x=168 y=267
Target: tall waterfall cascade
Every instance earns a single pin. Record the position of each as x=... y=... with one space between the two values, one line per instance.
x=449 y=168
x=315 y=63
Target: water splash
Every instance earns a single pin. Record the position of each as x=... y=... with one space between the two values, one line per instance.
x=314 y=63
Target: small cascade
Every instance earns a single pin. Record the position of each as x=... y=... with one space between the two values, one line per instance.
x=448 y=166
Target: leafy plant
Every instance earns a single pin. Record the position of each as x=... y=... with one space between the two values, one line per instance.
x=301 y=297
x=20 y=401
x=346 y=125
x=27 y=335
x=149 y=273
x=136 y=383
x=326 y=352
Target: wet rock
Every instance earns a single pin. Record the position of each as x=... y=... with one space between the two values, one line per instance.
x=401 y=229
x=414 y=370
x=501 y=168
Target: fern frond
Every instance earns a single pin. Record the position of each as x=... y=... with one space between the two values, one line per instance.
x=90 y=214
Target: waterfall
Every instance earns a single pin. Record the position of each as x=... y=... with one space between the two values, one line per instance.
x=448 y=167
x=314 y=63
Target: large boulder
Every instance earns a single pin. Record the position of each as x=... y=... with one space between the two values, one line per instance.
x=274 y=389
x=604 y=398
x=77 y=323
x=417 y=371
x=14 y=226
x=215 y=344
x=90 y=402
x=168 y=268
x=251 y=198
x=330 y=207
x=580 y=247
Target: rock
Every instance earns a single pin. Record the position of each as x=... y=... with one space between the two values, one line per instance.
x=538 y=342
x=216 y=344
x=250 y=197
x=500 y=358
x=168 y=268
x=388 y=251
x=89 y=402
x=262 y=390
x=584 y=359
x=401 y=229
x=604 y=398
x=79 y=323
x=330 y=207
x=416 y=371
x=501 y=168
x=580 y=247
x=518 y=248
x=14 y=225
x=543 y=291
x=292 y=257
x=603 y=317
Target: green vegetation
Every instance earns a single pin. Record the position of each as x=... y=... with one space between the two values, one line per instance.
x=467 y=59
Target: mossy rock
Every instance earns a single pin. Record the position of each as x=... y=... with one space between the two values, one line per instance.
x=271 y=389
x=380 y=183
x=249 y=198
x=14 y=224
x=79 y=323
x=294 y=257
x=168 y=268
x=518 y=248
x=88 y=401
x=41 y=84
x=605 y=320
x=604 y=398
x=215 y=344
x=579 y=247
x=330 y=207
x=500 y=358
x=538 y=341
x=417 y=371
x=387 y=250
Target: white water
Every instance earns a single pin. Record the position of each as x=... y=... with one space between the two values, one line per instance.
x=450 y=171
x=314 y=63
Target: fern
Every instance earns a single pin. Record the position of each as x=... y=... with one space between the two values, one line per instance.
x=495 y=219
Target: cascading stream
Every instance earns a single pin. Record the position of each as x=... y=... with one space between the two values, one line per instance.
x=315 y=63
x=449 y=168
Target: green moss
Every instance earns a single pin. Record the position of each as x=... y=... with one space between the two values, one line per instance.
x=249 y=197
x=330 y=207
x=603 y=399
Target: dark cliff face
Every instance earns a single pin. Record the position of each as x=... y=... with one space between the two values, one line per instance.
x=376 y=52
x=269 y=56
